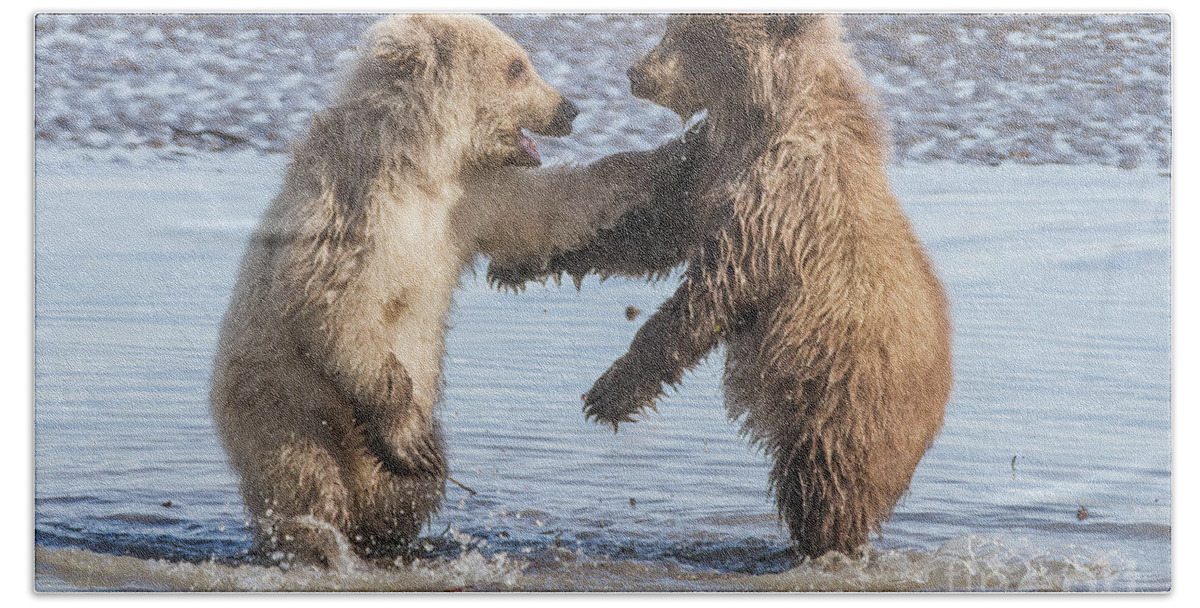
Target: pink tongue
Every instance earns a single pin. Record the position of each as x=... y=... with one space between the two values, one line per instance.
x=530 y=147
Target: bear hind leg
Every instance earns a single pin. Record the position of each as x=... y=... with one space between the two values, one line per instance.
x=299 y=507
x=390 y=509
x=820 y=498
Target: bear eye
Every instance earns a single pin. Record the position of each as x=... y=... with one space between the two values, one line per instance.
x=516 y=69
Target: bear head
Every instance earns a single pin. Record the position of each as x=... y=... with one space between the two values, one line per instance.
x=474 y=83
x=704 y=61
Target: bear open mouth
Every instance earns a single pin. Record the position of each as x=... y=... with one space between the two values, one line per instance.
x=526 y=152
x=529 y=147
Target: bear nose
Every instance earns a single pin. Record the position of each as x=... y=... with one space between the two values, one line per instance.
x=560 y=123
x=569 y=109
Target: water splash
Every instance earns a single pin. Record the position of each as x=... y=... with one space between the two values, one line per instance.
x=967 y=563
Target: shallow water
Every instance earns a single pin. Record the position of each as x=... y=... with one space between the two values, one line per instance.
x=1059 y=277
x=1060 y=283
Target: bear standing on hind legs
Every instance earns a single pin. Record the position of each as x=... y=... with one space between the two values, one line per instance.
x=329 y=363
x=799 y=261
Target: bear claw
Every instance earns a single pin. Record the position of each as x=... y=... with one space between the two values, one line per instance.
x=617 y=404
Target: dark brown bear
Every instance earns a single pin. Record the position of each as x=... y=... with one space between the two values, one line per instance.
x=799 y=261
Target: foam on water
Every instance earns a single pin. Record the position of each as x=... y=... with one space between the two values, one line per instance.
x=967 y=563
x=76 y=569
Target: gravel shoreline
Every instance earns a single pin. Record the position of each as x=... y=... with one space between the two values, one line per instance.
x=969 y=88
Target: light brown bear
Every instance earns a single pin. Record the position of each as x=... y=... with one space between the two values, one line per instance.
x=799 y=261
x=329 y=363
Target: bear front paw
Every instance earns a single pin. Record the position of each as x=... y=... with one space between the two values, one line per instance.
x=419 y=456
x=617 y=396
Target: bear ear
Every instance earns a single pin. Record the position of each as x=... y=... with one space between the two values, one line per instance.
x=789 y=25
x=409 y=59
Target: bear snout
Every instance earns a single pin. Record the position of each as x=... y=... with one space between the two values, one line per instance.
x=561 y=123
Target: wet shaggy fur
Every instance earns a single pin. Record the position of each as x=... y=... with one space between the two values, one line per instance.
x=799 y=261
x=330 y=356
